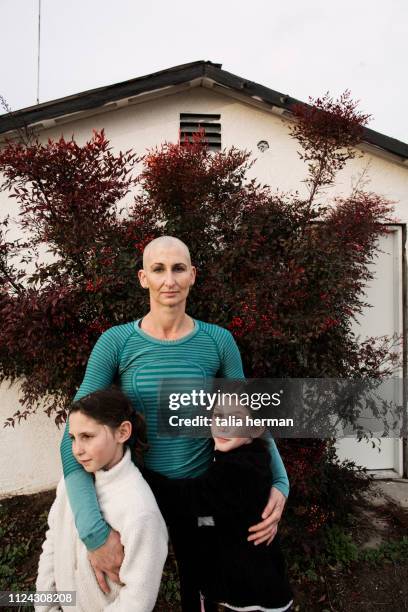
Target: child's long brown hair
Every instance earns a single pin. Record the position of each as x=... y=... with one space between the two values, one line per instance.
x=111 y=407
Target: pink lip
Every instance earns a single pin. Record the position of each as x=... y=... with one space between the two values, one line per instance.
x=169 y=292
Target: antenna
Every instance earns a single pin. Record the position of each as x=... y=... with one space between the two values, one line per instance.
x=39 y=48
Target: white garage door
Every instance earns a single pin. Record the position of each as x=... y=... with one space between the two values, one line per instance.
x=385 y=317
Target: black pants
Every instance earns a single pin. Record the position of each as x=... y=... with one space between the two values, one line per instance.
x=183 y=535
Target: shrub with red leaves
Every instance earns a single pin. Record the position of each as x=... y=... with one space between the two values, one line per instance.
x=285 y=273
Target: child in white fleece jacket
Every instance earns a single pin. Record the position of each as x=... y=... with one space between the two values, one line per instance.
x=100 y=426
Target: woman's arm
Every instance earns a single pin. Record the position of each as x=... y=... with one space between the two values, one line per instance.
x=100 y=372
x=266 y=530
x=280 y=478
x=231 y=362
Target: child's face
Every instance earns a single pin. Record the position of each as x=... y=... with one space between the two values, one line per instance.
x=225 y=428
x=96 y=446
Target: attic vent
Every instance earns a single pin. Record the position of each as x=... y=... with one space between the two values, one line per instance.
x=190 y=123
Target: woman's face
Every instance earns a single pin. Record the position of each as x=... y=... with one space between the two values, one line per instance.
x=168 y=274
x=96 y=446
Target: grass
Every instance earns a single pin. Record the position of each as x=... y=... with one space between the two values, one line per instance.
x=342 y=552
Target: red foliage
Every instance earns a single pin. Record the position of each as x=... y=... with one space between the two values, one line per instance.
x=328 y=131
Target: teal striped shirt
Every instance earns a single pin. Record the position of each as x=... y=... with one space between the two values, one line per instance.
x=139 y=362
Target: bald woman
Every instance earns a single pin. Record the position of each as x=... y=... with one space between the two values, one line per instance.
x=139 y=354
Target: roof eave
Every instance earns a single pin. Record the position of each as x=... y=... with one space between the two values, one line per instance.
x=172 y=79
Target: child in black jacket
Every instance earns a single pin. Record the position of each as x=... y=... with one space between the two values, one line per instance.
x=226 y=500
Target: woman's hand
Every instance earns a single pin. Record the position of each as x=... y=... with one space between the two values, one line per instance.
x=107 y=559
x=266 y=530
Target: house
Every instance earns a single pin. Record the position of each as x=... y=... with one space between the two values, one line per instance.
x=146 y=111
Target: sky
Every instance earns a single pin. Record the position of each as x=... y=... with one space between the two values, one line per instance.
x=301 y=48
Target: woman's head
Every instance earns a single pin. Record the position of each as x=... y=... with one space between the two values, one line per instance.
x=100 y=424
x=167 y=271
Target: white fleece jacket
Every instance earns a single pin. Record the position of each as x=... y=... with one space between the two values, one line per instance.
x=129 y=506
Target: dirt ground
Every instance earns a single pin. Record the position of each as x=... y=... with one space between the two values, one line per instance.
x=360 y=587
x=363 y=587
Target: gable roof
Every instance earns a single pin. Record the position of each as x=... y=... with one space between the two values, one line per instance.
x=171 y=77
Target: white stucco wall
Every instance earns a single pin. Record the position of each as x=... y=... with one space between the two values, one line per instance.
x=140 y=126
x=29 y=460
x=143 y=126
